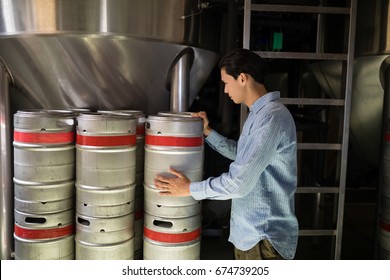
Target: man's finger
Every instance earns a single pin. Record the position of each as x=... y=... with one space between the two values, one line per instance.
x=175 y=172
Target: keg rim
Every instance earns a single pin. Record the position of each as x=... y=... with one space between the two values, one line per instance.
x=173 y=118
x=102 y=115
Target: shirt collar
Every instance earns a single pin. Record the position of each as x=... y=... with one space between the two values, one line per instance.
x=268 y=97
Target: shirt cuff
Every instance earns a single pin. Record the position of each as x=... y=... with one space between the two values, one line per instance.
x=197 y=190
x=212 y=137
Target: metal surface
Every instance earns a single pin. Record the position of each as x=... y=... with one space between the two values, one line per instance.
x=104 y=231
x=367 y=101
x=103 y=54
x=6 y=218
x=109 y=202
x=373 y=25
x=346 y=126
x=172 y=238
x=105 y=153
x=120 y=251
x=172 y=140
x=180 y=81
x=57 y=249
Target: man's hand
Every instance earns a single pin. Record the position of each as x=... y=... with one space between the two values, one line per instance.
x=206 y=128
x=179 y=185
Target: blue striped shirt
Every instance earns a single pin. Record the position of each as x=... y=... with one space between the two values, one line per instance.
x=262 y=179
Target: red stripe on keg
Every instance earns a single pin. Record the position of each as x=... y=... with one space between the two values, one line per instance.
x=384 y=225
x=43 y=233
x=171 y=237
x=173 y=141
x=123 y=140
x=44 y=137
x=387 y=137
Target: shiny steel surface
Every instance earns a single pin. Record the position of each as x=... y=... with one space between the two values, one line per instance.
x=104 y=231
x=44 y=221
x=24 y=190
x=58 y=249
x=120 y=251
x=6 y=220
x=173 y=250
x=367 y=100
x=44 y=165
x=108 y=202
x=102 y=54
x=105 y=165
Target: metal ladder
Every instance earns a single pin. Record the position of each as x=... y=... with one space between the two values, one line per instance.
x=347 y=59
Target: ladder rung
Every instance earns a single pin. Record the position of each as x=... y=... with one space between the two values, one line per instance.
x=317 y=232
x=317 y=190
x=312 y=101
x=318 y=146
x=303 y=55
x=300 y=9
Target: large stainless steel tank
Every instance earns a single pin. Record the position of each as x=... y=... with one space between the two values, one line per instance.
x=149 y=55
x=117 y=54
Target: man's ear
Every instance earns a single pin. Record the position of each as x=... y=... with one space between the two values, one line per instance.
x=242 y=77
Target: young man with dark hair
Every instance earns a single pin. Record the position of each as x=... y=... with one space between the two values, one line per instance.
x=262 y=179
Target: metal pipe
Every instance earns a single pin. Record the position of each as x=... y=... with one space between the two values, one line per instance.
x=5 y=166
x=180 y=81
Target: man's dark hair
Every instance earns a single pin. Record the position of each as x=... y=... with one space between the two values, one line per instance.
x=244 y=61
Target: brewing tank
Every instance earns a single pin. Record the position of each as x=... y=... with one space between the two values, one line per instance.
x=106 y=55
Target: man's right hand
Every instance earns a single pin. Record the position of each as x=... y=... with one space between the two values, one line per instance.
x=206 y=128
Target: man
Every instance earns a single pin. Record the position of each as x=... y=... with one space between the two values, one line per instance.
x=262 y=179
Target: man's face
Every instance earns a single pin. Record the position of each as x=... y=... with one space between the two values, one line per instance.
x=233 y=87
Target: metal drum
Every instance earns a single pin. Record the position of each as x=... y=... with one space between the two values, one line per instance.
x=43 y=147
x=172 y=141
x=105 y=185
x=169 y=206
x=119 y=251
x=172 y=239
x=53 y=249
x=41 y=199
x=47 y=236
x=139 y=177
x=104 y=231
x=105 y=150
x=109 y=202
x=44 y=163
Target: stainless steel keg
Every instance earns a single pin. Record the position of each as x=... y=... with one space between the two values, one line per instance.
x=105 y=150
x=172 y=238
x=172 y=141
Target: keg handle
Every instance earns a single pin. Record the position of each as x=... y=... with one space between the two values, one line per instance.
x=84 y=222
x=163 y=224
x=35 y=220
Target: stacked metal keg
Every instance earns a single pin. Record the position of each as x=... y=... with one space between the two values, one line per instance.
x=139 y=186
x=172 y=225
x=44 y=161
x=384 y=219
x=105 y=186
x=139 y=179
